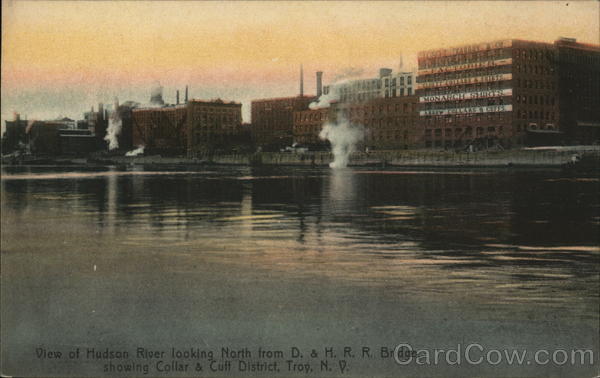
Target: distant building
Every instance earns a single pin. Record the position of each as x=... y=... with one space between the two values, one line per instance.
x=273 y=120
x=44 y=137
x=125 y=114
x=76 y=142
x=15 y=135
x=388 y=84
x=212 y=125
x=160 y=130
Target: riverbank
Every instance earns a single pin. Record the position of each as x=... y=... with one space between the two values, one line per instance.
x=527 y=157
x=554 y=157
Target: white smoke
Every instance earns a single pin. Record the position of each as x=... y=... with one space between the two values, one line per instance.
x=113 y=131
x=326 y=99
x=136 y=152
x=344 y=78
x=343 y=137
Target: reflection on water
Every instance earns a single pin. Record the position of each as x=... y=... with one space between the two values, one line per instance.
x=494 y=238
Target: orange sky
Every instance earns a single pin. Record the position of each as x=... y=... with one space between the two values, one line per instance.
x=246 y=50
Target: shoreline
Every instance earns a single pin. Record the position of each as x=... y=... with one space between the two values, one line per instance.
x=585 y=156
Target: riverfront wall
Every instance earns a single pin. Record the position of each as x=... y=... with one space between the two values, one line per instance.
x=416 y=158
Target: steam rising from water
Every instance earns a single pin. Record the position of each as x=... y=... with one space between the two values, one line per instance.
x=343 y=137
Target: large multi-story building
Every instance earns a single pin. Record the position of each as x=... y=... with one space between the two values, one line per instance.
x=485 y=94
x=579 y=90
x=212 y=125
x=273 y=120
x=160 y=129
x=498 y=92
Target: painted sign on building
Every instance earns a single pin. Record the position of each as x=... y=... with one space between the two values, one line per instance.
x=465 y=80
x=467 y=66
x=469 y=110
x=466 y=95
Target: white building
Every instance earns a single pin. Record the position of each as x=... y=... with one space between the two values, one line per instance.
x=388 y=84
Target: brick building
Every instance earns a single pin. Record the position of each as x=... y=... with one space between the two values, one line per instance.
x=273 y=120
x=579 y=90
x=389 y=123
x=213 y=126
x=487 y=94
x=308 y=125
x=160 y=129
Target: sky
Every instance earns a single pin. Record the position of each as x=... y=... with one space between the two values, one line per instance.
x=62 y=58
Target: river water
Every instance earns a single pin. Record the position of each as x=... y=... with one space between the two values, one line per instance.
x=123 y=257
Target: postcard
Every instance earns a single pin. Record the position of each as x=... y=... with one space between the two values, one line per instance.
x=300 y=188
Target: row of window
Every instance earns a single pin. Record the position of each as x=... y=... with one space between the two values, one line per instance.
x=536 y=84
x=534 y=70
x=398 y=92
x=535 y=100
x=534 y=114
x=459 y=132
x=400 y=81
x=474 y=117
x=534 y=54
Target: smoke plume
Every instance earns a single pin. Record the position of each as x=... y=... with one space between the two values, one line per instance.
x=343 y=137
x=113 y=131
x=136 y=152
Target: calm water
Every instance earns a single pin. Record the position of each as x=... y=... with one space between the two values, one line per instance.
x=507 y=245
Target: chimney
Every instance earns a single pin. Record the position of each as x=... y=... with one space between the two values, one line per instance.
x=319 y=83
x=177 y=97
x=101 y=110
x=186 y=93
x=301 y=81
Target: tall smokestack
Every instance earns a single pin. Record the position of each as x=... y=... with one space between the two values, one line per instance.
x=177 y=97
x=301 y=81
x=116 y=104
x=319 y=83
x=186 y=93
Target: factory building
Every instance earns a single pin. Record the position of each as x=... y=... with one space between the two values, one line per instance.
x=509 y=92
x=273 y=120
x=212 y=126
x=487 y=94
x=307 y=126
x=388 y=123
x=160 y=129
